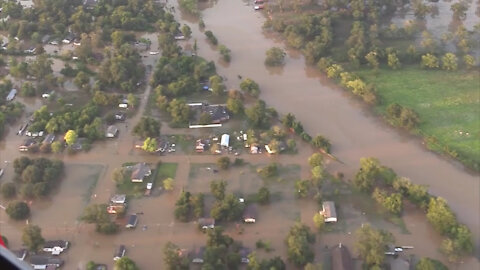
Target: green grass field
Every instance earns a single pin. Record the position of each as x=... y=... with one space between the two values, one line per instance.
x=164 y=171
x=448 y=104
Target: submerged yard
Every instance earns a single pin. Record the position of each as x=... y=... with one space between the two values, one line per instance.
x=447 y=102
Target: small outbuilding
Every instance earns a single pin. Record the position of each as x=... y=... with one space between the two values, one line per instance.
x=329 y=212
x=11 y=95
x=112 y=132
x=225 y=140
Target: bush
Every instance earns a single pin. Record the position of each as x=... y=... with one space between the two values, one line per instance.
x=225 y=53
x=263 y=195
x=18 y=210
x=8 y=190
x=268 y=171
x=223 y=163
x=275 y=57
x=211 y=38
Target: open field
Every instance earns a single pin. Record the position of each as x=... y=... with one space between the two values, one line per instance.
x=447 y=103
x=164 y=171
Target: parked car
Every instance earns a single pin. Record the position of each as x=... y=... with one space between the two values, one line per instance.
x=154 y=52
x=1 y=172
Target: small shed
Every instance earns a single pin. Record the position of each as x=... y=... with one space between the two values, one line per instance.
x=112 y=131
x=11 y=95
x=225 y=141
x=329 y=212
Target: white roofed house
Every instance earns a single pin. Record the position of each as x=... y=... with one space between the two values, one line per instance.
x=140 y=172
x=328 y=211
x=55 y=247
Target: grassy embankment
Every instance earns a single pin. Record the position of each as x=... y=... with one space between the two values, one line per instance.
x=448 y=104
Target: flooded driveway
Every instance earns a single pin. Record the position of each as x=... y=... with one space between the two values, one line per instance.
x=326 y=109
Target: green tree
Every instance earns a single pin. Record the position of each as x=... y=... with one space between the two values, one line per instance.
x=429 y=264
x=370 y=245
x=186 y=31
x=216 y=83
x=150 y=145
x=298 y=242
x=263 y=195
x=225 y=53
x=334 y=71
x=367 y=175
x=250 y=87
x=393 y=61
x=223 y=163
x=449 y=62
x=429 y=61
x=82 y=81
x=57 y=147
x=211 y=38
x=172 y=258
x=71 y=137
x=8 y=190
x=372 y=59
x=91 y=265
x=302 y=187
x=32 y=237
x=257 y=115
x=168 y=184
x=183 y=206
x=316 y=159
x=179 y=111
x=441 y=216
x=392 y=202
x=321 y=142
x=275 y=57
x=147 y=127
x=132 y=100
x=18 y=210
x=469 y=61
x=459 y=10
x=228 y=209
x=235 y=106
x=319 y=221
x=218 y=189
x=125 y=263
x=318 y=173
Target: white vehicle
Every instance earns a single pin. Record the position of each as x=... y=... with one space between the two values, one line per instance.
x=123 y=105
x=46 y=95
x=53 y=42
x=74 y=57
x=153 y=52
x=149 y=186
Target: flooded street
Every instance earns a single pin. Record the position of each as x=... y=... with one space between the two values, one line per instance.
x=326 y=109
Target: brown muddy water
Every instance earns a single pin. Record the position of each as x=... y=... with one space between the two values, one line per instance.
x=325 y=109
x=322 y=108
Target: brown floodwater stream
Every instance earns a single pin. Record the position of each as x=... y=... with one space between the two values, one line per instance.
x=328 y=110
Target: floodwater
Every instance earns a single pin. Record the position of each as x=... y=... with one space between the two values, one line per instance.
x=328 y=110
x=322 y=108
